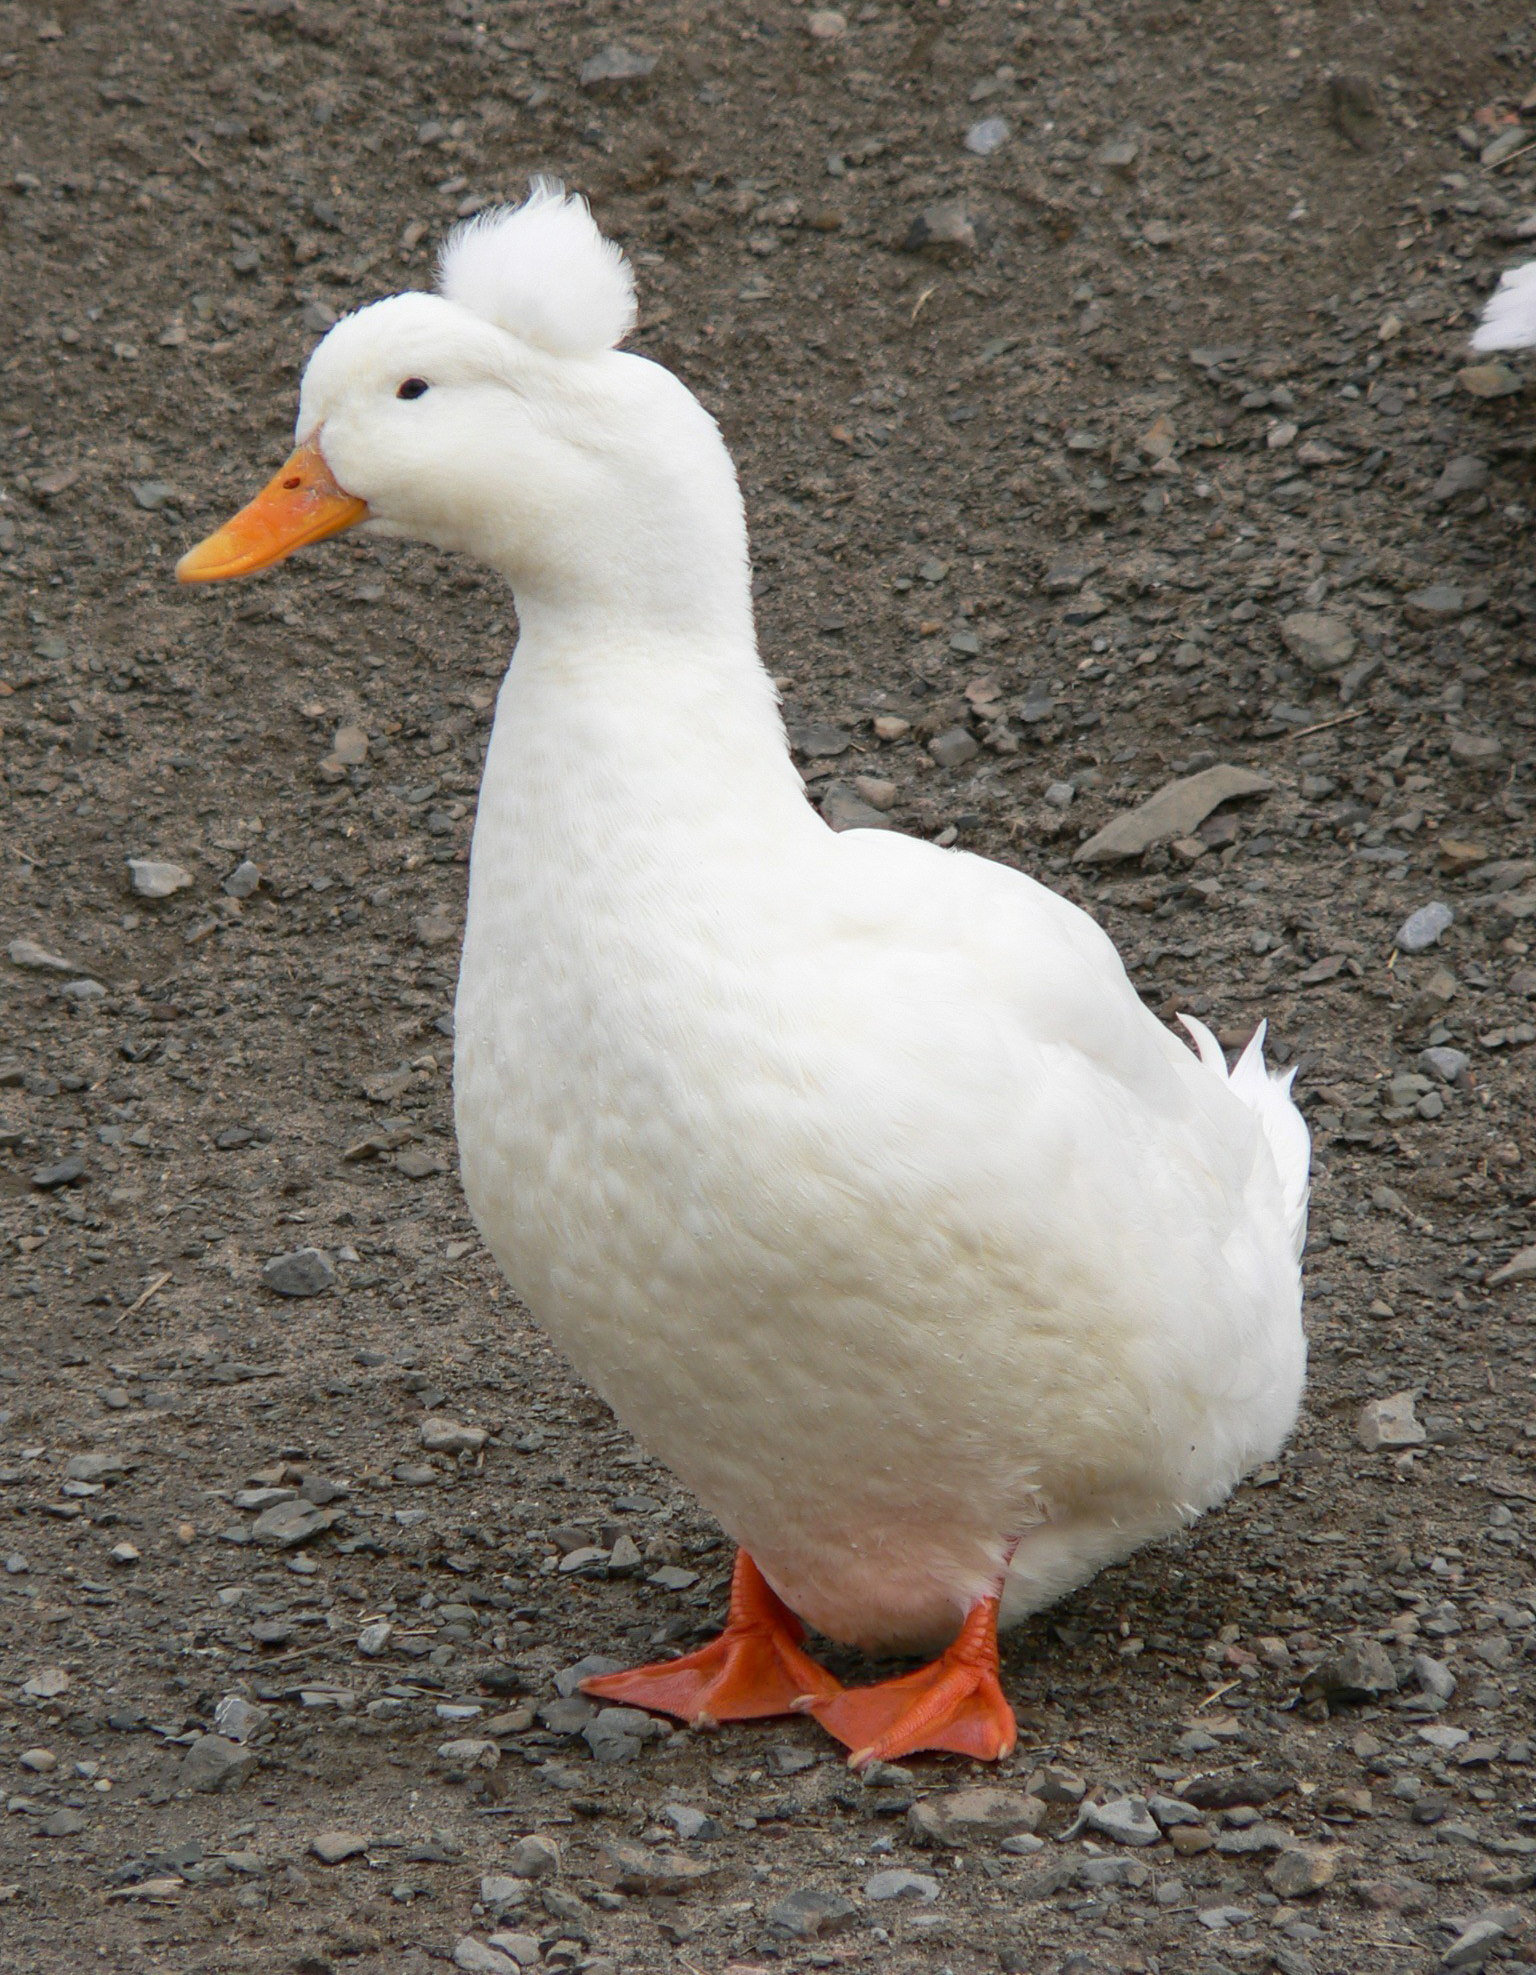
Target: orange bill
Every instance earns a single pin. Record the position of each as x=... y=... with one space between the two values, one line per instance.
x=300 y=504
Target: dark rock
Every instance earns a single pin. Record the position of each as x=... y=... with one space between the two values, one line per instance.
x=957 y=1817
x=810 y=1913
x=955 y=747
x=619 y=1734
x=334 y=1847
x=287 y=1524
x=1098 y=1872
x=1300 y=1871
x=214 y=1762
x=1354 y=111
x=1465 y=474
x=1477 y=751
x=653 y=1868
x=946 y=231
x=1254 y=1786
x=64 y=1172
x=843 y=810
x=897 y=1883
x=818 y=739
x=1039 y=1882
x=303 y=1272
x=1059 y=1785
x=1321 y=642
x=1490 y=380
x=1124 y=1820
x=1361 y=1672
x=1436 y=603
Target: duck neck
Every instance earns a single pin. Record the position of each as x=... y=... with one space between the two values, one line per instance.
x=639 y=694
x=659 y=562
x=637 y=652
x=589 y=626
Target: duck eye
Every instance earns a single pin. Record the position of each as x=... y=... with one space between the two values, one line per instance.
x=413 y=387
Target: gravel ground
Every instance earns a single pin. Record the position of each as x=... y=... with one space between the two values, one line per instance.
x=1098 y=381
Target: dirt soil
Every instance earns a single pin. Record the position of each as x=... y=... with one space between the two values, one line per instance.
x=1046 y=450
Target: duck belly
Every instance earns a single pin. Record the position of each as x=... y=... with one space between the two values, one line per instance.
x=881 y=1376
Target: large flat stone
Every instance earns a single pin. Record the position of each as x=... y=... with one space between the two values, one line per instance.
x=1176 y=810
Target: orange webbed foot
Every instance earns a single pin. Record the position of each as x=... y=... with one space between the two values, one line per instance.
x=756 y=1667
x=955 y=1704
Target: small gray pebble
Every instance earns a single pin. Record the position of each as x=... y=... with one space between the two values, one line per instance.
x=238 y=1719
x=1127 y=1821
x=810 y=1912
x=897 y=1883
x=619 y=1734
x=990 y=135
x=568 y=1680
x=1422 y=929
x=690 y=1823
x=151 y=877
x=243 y=880
x=615 y=68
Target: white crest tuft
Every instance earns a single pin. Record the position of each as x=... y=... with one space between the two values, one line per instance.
x=542 y=271
x=1509 y=320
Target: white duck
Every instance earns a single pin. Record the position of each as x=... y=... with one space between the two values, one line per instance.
x=1508 y=321
x=851 y=1171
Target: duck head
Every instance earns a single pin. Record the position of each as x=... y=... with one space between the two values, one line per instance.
x=496 y=418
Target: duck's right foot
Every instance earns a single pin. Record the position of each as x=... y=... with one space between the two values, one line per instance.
x=956 y=1703
x=756 y=1667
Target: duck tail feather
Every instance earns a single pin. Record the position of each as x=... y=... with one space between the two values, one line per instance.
x=1211 y=1054
x=1268 y=1093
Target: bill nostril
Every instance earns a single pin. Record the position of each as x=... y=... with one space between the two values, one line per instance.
x=291 y=484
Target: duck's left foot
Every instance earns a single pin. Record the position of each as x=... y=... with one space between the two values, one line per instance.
x=955 y=1703
x=756 y=1667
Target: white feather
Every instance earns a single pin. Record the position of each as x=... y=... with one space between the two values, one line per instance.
x=1267 y=1093
x=1509 y=320
x=543 y=272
